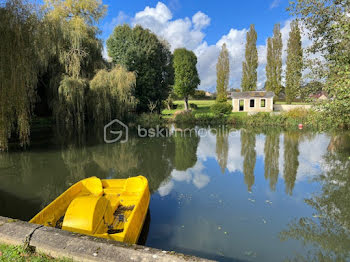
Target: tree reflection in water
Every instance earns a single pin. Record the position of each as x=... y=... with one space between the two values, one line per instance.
x=328 y=231
x=249 y=154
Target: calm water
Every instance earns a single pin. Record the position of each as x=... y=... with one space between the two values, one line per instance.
x=240 y=196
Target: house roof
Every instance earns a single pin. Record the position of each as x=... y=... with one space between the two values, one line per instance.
x=253 y=94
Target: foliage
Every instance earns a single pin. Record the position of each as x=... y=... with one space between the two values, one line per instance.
x=294 y=63
x=311 y=88
x=222 y=108
x=222 y=75
x=274 y=61
x=149 y=120
x=250 y=65
x=186 y=78
x=71 y=106
x=23 y=55
x=184 y=117
x=199 y=94
x=111 y=94
x=193 y=106
x=78 y=51
x=140 y=51
x=329 y=26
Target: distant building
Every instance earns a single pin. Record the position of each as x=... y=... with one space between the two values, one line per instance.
x=208 y=94
x=252 y=101
x=320 y=96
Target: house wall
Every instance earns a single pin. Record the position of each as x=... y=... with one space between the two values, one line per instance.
x=284 y=108
x=268 y=106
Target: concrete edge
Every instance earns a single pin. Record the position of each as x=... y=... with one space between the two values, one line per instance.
x=59 y=243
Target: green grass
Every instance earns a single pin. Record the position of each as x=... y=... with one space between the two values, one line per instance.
x=203 y=107
x=18 y=254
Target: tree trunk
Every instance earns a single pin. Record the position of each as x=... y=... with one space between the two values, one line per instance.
x=186 y=103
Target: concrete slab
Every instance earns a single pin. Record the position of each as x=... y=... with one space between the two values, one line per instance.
x=59 y=243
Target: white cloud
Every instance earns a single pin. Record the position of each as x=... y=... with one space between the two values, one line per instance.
x=275 y=4
x=200 y=20
x=189 y=33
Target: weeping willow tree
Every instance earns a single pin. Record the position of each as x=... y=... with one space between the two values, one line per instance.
x=23 y=54
x=111 y=94
x=74 y=25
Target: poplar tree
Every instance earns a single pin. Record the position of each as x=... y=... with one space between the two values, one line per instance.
x=294 y=63
x=274 y=61
x=250 y=65
x=222 y=74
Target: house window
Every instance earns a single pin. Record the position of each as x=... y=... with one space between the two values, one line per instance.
x=263 y=103
x=252 y=103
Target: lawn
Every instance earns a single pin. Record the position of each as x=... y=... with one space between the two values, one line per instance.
x=18 y=254
x=203 y=107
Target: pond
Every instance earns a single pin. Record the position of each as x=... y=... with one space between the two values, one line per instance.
x=240 y=195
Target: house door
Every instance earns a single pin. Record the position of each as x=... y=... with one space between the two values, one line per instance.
x=241 y=105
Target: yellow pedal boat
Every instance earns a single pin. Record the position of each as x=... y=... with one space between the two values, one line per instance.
x=108 y=208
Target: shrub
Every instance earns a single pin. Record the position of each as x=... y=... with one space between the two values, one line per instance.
x=221 y=108
x=193 y=106
x=210 y=118
x=184 y=117
x=149 y=120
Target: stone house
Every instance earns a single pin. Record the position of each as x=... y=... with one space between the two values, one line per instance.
x=252 y=101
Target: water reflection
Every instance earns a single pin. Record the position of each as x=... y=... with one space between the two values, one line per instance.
x=271 y=152
x=222 y=148
x=249 y=154
x=291 y=162
x=194 y=209
x=328 y=230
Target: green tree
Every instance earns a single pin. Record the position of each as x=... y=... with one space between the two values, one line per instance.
x=250 y=65
x=23 y=55
x=222 y=75
x=74 y=30
x=294 y=63
x=140 y=51
x=271 y=151
x=274 y=61
x=329 y=24
x=186 y=75
x=291 y=162
x=111 y=94
x=248 y=152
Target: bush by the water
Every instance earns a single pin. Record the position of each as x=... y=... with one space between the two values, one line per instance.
x=149 y=120
x=221 y=108
x=185 y=117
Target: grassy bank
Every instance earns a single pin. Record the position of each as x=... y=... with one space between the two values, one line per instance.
x=201 y=114
x=18 y=254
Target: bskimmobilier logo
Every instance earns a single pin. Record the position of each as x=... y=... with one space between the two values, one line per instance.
x=118 y=128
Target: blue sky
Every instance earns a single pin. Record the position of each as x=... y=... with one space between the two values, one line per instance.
x=224 y=14
x=203 y=26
